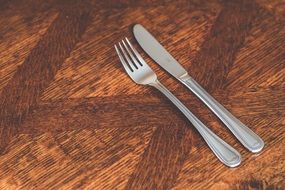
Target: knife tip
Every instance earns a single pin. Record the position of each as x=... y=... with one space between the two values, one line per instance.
x=137 y=26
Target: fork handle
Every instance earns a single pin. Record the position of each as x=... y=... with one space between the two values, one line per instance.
x=225 y=153
x=246 y=136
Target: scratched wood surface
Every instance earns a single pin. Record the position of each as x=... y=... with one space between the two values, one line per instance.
x=71 y=118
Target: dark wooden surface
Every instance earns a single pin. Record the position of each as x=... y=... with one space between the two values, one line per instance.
x=71 y=118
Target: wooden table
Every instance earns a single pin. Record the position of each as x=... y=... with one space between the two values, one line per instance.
x=71 y=118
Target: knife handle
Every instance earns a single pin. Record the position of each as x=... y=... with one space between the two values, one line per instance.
x=246 y=136
x=225 y=153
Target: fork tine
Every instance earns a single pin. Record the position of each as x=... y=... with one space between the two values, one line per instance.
x=136 y=63
x=127 y=68
x=141 y=61
x=130 y=63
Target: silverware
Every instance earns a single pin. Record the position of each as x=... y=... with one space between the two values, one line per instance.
x=141 y=73
x=160 y=55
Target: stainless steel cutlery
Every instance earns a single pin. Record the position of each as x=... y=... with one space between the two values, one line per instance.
x=141 y=73
x=160 y=55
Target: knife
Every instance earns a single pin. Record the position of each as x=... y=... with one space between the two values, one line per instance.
x=160 y=55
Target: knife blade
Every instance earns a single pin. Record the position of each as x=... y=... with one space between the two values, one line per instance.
x=157 y=52
x=160 y=55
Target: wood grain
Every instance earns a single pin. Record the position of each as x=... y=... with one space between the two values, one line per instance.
x=72 y=114
x=217 y=54
x=38 y=69
x=71 y=118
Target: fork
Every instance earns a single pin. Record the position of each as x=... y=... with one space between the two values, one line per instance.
x=141 y=73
